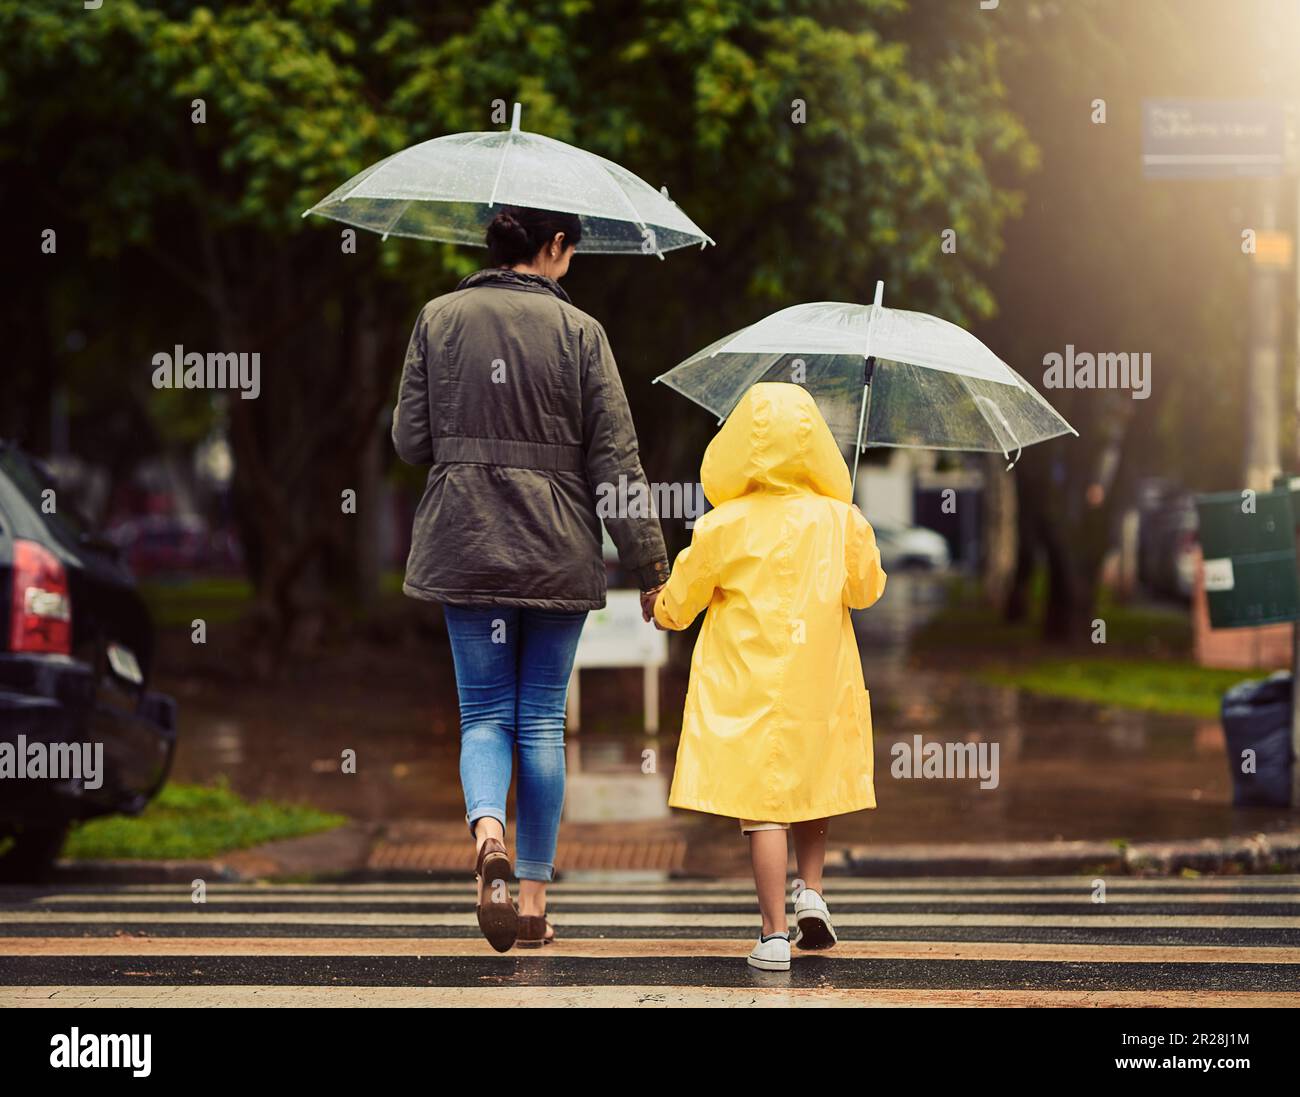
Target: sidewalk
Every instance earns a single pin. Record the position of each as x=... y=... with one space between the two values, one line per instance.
x=1077 y=787
x=414 y=851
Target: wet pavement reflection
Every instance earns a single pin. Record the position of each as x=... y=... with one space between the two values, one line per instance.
x=1067 y=770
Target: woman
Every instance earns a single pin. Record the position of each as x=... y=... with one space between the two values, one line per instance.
x=511 y=394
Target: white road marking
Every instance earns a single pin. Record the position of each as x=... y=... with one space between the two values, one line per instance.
x=656 y=919
x=533 y=997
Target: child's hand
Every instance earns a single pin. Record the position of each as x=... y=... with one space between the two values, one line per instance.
x=648 y=603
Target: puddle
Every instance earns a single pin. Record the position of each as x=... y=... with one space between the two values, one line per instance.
x=1065 y=769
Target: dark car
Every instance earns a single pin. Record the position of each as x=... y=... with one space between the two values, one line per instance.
x=76 y=647
x=171 y=544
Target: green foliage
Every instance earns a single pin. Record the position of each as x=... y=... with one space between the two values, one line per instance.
x=190 y=821
x=1146 y=684
x=173 y=232
x=696 y=93
x=217 y=601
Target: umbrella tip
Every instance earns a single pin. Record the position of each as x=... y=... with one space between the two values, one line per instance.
x=514 y=117
x=880 y=293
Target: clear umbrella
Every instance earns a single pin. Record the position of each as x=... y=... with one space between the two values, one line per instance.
x=881 y=377
x=449 y=189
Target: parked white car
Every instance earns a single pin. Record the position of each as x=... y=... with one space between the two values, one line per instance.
x=911 y=548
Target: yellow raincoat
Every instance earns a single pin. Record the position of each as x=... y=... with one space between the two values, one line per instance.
x=777 y=726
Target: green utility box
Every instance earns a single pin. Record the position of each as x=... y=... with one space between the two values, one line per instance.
x=1250 y=556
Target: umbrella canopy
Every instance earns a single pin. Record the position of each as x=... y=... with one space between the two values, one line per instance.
x=449 y=188
x=881 y=377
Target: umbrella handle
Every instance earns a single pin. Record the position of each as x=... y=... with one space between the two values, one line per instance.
x=868 y=370
x=862 y=424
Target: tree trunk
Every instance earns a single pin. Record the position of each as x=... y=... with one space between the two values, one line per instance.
x=1000 y=534
x=1071 y=591
x=1019 y=594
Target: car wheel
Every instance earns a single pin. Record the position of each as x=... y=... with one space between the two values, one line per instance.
x=28 y=855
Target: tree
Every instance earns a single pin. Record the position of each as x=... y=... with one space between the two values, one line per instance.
x=1109 y=262
x=823 y=144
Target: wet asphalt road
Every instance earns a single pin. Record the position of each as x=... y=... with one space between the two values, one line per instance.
x=915 y=941
x=1066 y=769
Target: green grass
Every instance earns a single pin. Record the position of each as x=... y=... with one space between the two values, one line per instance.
x=218 y=601
x=1145 y=663
x=967 y=623
x=1151 y=685
x=194 y=821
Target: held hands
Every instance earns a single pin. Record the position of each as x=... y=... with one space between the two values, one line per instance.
x=648 y=603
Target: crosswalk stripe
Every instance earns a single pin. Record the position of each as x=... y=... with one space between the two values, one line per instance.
x=658 y=919
x=743 y=886
x=632 y=948
x=565 y=899
x=536 y=997
x=1161 y=937
x=921 y=941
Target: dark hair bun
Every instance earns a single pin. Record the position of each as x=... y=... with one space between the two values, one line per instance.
x=517 y=233
x=508 y=241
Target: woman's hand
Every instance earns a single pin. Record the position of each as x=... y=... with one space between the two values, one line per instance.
x=648 y=602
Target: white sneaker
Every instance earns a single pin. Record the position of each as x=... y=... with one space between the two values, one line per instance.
x=814 y=919
x=771 y=953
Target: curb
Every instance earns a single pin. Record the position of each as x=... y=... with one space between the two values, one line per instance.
x=327 y=855
x=1254 y=853
x=307 y=861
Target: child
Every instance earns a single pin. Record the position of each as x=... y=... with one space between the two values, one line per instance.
x=777 y=727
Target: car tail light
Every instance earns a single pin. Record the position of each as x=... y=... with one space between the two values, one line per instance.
x=40 y=618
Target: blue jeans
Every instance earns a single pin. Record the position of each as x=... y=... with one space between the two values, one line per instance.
x=512 y=675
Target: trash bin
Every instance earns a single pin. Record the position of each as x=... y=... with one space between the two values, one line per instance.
x=1250 y=557
x=1257 y=717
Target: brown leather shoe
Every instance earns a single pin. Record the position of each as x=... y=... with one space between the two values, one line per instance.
x=497 y=918
x=534 y=931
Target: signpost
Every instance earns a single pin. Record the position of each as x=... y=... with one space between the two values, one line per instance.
x=1212 y=138
x=616 y=636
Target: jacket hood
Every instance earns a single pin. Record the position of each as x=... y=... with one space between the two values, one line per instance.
x=501 y=276
x=775 y=439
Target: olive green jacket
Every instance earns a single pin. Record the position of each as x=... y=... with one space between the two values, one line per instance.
x=510 y=393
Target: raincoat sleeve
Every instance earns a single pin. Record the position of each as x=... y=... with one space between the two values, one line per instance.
x=690 y=587
x=610 y=452
x=412 y=437
x=865 y=581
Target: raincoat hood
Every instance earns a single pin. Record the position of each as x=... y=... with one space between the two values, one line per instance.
x=777 y=723
x=774 y=440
